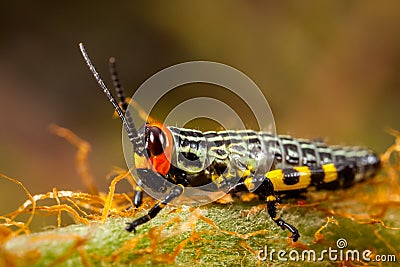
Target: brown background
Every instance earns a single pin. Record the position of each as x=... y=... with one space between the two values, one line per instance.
x=328 y=68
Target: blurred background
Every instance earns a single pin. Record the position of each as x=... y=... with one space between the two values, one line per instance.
x=328 y=69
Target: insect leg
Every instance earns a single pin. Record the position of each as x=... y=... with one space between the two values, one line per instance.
x=138 y=198
x=266 y=192
x=174 y=193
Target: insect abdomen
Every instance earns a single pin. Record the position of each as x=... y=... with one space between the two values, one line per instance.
x=352 y=164
x=195 y=151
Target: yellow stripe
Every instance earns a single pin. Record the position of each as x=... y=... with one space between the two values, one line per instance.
x=304 y=172
x=138 y=188
x=271 y=198
x=249 y=184
x=330 y=172
x=276 y=177
x=183 y=188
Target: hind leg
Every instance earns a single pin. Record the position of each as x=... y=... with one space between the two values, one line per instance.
x=266 y=192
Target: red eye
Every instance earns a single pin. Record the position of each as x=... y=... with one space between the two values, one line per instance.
x=155 y=141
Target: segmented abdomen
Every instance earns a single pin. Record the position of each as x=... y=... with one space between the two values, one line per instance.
x=194 y=151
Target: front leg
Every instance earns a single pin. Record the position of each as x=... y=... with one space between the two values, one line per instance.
x=174 y=193
x=138 y=195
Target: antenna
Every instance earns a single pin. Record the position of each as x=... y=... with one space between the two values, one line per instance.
x=126 y=121
x=117 y=84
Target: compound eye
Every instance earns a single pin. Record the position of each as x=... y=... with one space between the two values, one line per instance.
x=155 y=141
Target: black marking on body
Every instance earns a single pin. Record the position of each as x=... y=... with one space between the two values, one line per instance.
x=291 y=176
x=317 y=176
x=292 y=154
x=276 y=150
